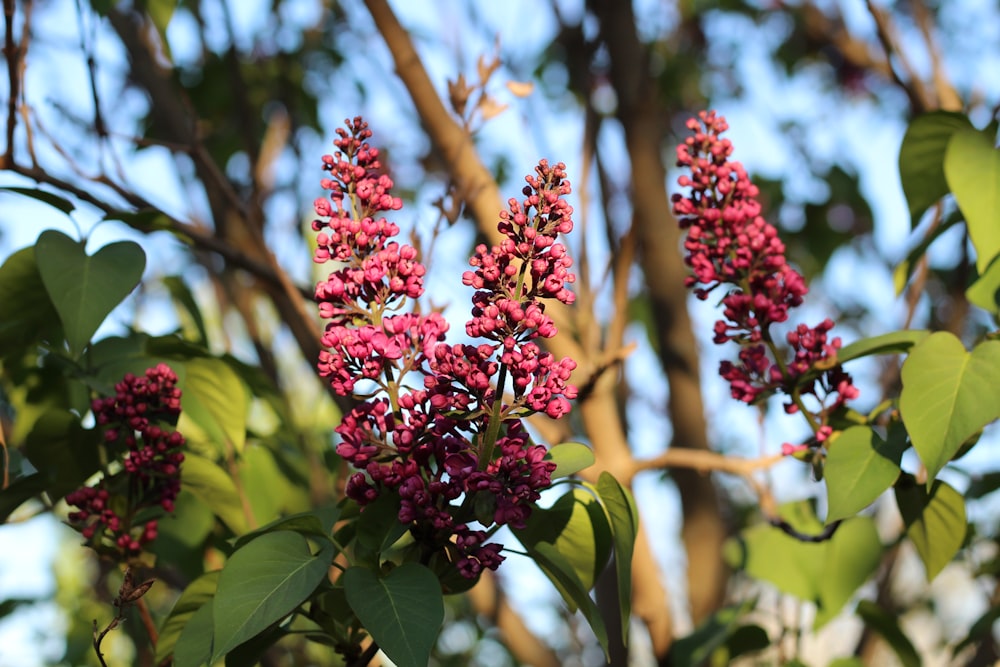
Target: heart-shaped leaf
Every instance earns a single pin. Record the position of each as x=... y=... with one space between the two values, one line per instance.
x=972 y=167
x=859 y=467
x=826 y=573
x=85 y=289
x=262 y=583
x=402 y=611
x=948 y=395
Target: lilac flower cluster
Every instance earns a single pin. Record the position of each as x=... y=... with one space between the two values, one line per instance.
x=452 y=448
x=730 y=245
x=137 y=417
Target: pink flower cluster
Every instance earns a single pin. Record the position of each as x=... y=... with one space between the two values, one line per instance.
x=730 y=245
x=451 y=446
x=139 y=418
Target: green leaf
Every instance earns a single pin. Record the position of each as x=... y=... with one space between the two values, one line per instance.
x=577 y=530
x=935 y=522
x=826 y=573
x=50 y=198
x=26 y=312
x=214 y=486
x=402 y=611
x=276 y=481
x=922 y=155
x=194 y=646
x=985 y=292
x=262 y=583
x=19 y=491
x=318 y=523
x=887 y=625
x=570 y=458
x=859 y=467
x=85 y=289
x=62 y=451
x=198 y=593
x=846 y=662
x=214 y=397
x=180 y=293
x=894 y=342
x=697 y=647
x=623 y=517
x=570 y=587
x=972 y=167
x=379 y=527
x=852 y=556
x=948 y=395
x=792 y=566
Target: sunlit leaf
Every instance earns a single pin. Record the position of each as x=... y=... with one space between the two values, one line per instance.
x=851 y=558
x=948 y=395
x=215 y=398
x=623 y=517
x=858 y=468
x=894 y=342
x=570 y=458
x=972 y=167
x=985 y=292
x=935 y=522
x=214 y=486
x=577 y=529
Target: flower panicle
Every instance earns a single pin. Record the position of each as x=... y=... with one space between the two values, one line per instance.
x=730 y=247
x=139 y=418
x=429 y=441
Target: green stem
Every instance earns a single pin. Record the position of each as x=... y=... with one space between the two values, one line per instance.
x=490 y=438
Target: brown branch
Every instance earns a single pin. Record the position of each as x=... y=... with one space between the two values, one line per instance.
x=705 y=461
x=658 y=240
x=14 y=53
x=488 y=600
x=914 y=87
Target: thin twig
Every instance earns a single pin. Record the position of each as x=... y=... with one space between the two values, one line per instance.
x=914 y=89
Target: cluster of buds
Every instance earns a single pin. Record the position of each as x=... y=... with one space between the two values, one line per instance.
x=729 y=245
x=138 y=419
x=449 y=445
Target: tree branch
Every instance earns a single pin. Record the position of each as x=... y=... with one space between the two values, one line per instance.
x=658 y=239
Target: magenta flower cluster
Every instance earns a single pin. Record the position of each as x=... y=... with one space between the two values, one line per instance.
x=435 y=426
x=730 y=246
x=137 y=418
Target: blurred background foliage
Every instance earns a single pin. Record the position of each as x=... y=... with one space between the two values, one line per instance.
x=196 y=127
